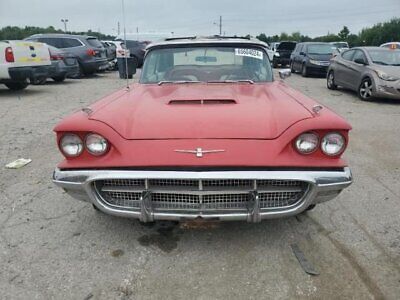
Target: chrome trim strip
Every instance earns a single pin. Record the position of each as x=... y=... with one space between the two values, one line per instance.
x=77 y=183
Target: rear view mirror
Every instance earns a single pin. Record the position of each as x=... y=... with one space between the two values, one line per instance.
x=360 y=61
x=285 y=73
x=206 y=59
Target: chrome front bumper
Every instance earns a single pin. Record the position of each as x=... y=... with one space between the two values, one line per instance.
x=321 y=186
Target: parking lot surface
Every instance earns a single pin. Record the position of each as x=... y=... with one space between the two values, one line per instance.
x=52 y=246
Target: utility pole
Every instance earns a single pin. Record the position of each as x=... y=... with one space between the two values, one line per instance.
x=220 y=25
x=119 y=28
x=65 y=21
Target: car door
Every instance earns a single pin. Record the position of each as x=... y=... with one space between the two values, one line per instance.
x=296 y=57
x=342 y=71
x=356 y=69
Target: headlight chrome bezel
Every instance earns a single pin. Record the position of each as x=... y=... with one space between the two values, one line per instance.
x=78 y=141
x=303 y=135
x=330 y=135
x=103 y=140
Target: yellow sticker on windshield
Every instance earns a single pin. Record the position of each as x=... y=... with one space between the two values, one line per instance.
x=249 y=53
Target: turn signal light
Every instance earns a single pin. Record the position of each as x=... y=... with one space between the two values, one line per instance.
x=90 y=52
x=9 y=55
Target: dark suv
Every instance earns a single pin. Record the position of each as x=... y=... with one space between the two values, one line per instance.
x=136 y=50
x=88 y=50
x=282 y=53
x=311 y=58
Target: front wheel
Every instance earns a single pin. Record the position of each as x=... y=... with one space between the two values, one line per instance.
x=304 y=71
x=17 y=86
x=330 y=81
x=292 y=67
x=365 y=89
x=59 y=78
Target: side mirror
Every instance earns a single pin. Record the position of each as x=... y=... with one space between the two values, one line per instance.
x=360 y=61
x=285 y=73
x=302 y=53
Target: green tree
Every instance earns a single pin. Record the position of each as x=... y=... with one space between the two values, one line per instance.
x=344 y=33
x=284 y=36
x=262 y=37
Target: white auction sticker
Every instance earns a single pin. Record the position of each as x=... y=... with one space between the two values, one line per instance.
x=249 y=52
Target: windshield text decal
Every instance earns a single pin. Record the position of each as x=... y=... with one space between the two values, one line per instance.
x=249 y=52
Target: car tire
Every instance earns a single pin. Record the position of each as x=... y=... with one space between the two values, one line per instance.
x=58 y=78
x=365 y=89
x=17 y=86
x=97 y=209
x=292 y=67
x=81 y=72
x=330 y=81
x=304 y=71
x=39 y=81
x=310 y=207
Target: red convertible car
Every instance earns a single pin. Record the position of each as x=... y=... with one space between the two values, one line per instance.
x=206 y=133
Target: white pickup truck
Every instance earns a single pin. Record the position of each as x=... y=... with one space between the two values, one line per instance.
x=22 y=62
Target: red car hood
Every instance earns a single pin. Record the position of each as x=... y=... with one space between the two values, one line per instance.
x=202 y=111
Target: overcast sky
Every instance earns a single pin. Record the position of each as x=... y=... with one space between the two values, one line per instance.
x=184 y=17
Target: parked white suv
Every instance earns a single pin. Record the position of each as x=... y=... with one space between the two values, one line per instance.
x=22 y=62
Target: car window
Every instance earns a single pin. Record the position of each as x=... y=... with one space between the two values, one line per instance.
x=391 y=46
x=348 y=55
x=359 y=55
x=385 y=57
x=206 y=63
x=94 y=42
x=319 y=49
x=298 y=48
x=286 y=46
x=55 y=42
x=70 y=43
x=132 y=44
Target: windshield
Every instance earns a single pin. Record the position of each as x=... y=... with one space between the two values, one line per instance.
x=94 y=42
x=385 y=57
x=286 y=46
x=206 y=64
x=341 y=45
x=320 y=49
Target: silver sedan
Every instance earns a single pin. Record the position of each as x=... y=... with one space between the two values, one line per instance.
x=370 y=71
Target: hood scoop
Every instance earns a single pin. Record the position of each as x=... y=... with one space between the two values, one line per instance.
x=201 y=101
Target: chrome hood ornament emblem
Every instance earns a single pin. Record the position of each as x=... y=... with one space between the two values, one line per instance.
x=199 y=151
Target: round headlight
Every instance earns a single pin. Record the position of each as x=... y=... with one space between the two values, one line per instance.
x=96 y=144
x=71 y=145
x=333 y=144
x=307 y=143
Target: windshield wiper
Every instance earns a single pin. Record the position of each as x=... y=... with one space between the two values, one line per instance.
x=380 y=62
x=177 y=82
x=231 y=81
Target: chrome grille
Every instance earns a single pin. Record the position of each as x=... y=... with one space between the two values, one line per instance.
x=281 y=183
x=225 y=201
x=194 y=195
x=124 y=182
x=122 y=199
x=228 y=184
x=174 y=201
x=172 y=183
x=281 y=199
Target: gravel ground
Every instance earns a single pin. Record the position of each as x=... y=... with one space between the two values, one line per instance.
x=54 y=247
